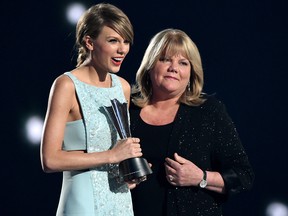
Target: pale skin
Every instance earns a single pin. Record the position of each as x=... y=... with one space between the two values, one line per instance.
x=107 y=52
x=169 y=78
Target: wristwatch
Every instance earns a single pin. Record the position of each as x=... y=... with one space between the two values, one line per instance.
x=203 y=182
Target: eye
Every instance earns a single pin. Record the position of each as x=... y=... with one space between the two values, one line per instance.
x=185 y=63
x=164 y=59
x=112 y=40
x=127 y=41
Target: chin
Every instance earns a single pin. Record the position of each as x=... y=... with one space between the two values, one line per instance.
x=114 y=70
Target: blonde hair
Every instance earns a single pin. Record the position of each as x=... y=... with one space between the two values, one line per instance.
x=92 y=22
x=169 y=42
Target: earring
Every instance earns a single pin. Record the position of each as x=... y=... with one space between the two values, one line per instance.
x=188 y=86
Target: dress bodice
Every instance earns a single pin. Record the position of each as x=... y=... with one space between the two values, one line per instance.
x=92 y=100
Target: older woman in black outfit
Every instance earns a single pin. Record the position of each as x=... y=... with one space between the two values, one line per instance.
x=196 y=155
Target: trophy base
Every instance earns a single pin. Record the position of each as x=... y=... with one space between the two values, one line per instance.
x=134 y=170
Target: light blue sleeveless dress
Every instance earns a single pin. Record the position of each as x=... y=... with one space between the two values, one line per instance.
x=97 y=191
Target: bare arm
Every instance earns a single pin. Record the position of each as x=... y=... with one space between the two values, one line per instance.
x=61 y=106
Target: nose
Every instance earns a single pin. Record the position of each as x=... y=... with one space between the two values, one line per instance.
x=123 y=48
x=173 y=68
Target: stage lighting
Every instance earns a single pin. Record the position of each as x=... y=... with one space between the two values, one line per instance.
x=33 y=129
x=277 y=209
x=74 y=11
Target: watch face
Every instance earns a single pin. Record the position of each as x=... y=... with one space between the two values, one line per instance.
x=203 y=183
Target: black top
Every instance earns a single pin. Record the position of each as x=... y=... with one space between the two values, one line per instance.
x=204 y=135
x=155 y=153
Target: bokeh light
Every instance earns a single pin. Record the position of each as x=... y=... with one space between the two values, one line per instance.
x=276 y=209
x=74 y=12
x=33 y=129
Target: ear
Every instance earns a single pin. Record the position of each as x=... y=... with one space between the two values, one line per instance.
x=88 y=42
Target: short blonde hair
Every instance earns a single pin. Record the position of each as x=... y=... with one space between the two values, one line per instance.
x=169 y=42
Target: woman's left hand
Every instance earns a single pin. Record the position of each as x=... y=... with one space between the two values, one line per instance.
x=131 y=185
x=182 y=172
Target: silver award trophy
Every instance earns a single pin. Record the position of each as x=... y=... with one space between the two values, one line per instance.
x=132 y=169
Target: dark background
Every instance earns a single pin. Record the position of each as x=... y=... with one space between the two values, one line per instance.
x=243 y=44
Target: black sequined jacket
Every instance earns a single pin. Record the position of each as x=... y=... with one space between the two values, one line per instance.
x=206 y=136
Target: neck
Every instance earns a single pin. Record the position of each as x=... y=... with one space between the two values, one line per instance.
x=160 y=112
x=95 y=77
x=163 y=103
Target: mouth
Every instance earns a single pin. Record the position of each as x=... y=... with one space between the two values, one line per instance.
x=170 y=78
x=117 y=61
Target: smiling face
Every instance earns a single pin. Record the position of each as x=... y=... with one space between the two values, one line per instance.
x=108 y=51
x=170 y=75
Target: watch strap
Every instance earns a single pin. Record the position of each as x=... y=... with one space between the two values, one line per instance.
x=204 y=175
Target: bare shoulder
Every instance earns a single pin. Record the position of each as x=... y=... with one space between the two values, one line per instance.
x=63 y=83
x=125 y=84
x=126 y=89
x=62 y=94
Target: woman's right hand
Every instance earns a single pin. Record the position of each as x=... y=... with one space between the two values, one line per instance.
x=126 y=148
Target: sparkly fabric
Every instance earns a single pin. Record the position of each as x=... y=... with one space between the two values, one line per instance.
x=97 y=191
x=207 y=136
